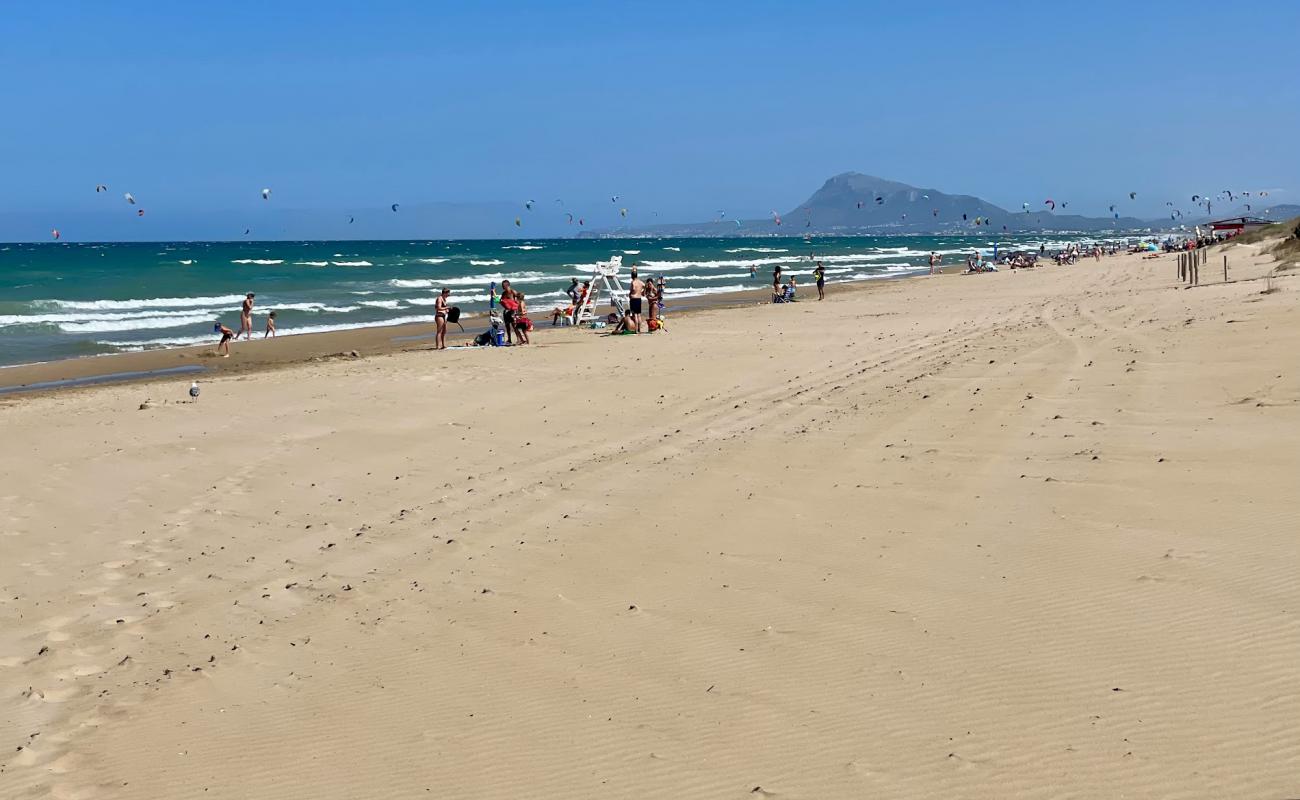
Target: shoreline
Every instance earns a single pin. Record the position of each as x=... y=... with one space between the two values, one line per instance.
x=199 y=361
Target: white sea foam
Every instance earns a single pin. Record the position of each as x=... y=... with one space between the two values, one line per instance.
x=138 y=324
x=523 y=247
x=186 y=261
x=757 y=250
x=7 y=320
x=433 y=260
x=181 y=341
x=475 y=280
x=753 y=262
x=262 y=261
x=455 y=299
x=491 y=262
x=352 y=263
x=156 y=302
x=695 y=291
x=631 y=252
x=389 y=304
x=321 y=307
x=312 y=263
x=674 y=249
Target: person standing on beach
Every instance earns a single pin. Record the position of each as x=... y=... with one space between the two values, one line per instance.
x=819 y=273
x=440 y=311
x=246 y=317
x=223 y=347
x=508 y=307
x=652 y=300
x=572 y=292
x=270 y=326
x=934 y=261
x=634 y=300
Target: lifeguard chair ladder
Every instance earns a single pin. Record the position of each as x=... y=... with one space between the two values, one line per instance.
x=605 y=277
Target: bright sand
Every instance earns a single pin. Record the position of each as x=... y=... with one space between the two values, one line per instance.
x=1013 y=535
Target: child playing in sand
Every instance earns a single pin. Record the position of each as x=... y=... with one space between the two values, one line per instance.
x=270 y=325
x=223 y=347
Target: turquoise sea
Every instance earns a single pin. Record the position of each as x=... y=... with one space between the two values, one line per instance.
x=66 y=300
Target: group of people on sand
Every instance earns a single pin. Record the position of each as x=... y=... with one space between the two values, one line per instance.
x=644 y=306
x=245 y=326
x=788 y=291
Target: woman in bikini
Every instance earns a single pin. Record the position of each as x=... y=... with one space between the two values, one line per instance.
x=440 y=310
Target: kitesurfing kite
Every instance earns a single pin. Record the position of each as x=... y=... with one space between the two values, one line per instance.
x=1112 y=209
x=266 y=194
x=1026 y=207
x=130 y=198
x=622 y=212
x=394 y=207
x=54 y=232
x=963 y=217
x=570 y=216
x=1132 y=195
x=614 y=199
x=247 y=231
x=1196 y=198
x=351 y=220
x=880 y=201
x=936 y=212
x=1065 y=204
x=776 y=218
x=1050 y=203
x=99 y=187
x=529 y=205
x=859 y=204
x=140 y=213
x=518 y=222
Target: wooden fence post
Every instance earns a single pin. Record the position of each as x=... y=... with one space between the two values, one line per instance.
x=1225 y=269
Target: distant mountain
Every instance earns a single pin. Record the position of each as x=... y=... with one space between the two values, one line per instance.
x=853 y=203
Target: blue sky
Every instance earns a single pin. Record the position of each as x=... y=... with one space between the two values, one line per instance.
x=678 y=107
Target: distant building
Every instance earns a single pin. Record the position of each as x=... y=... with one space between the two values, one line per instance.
x=1238 y=224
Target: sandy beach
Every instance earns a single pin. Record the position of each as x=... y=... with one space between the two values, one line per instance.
x=1025 y=534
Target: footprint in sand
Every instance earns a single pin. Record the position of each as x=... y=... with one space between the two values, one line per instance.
x=114 y=622
x=59 y=695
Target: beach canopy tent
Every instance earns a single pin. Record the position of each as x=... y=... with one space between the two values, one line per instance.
x=1238 y=224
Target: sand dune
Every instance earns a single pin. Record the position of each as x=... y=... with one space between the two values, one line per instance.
x=1013 y=535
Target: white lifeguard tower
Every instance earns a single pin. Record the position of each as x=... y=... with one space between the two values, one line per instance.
x=605 y=277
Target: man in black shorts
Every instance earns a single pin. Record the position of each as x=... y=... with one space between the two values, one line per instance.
x=634 y=300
